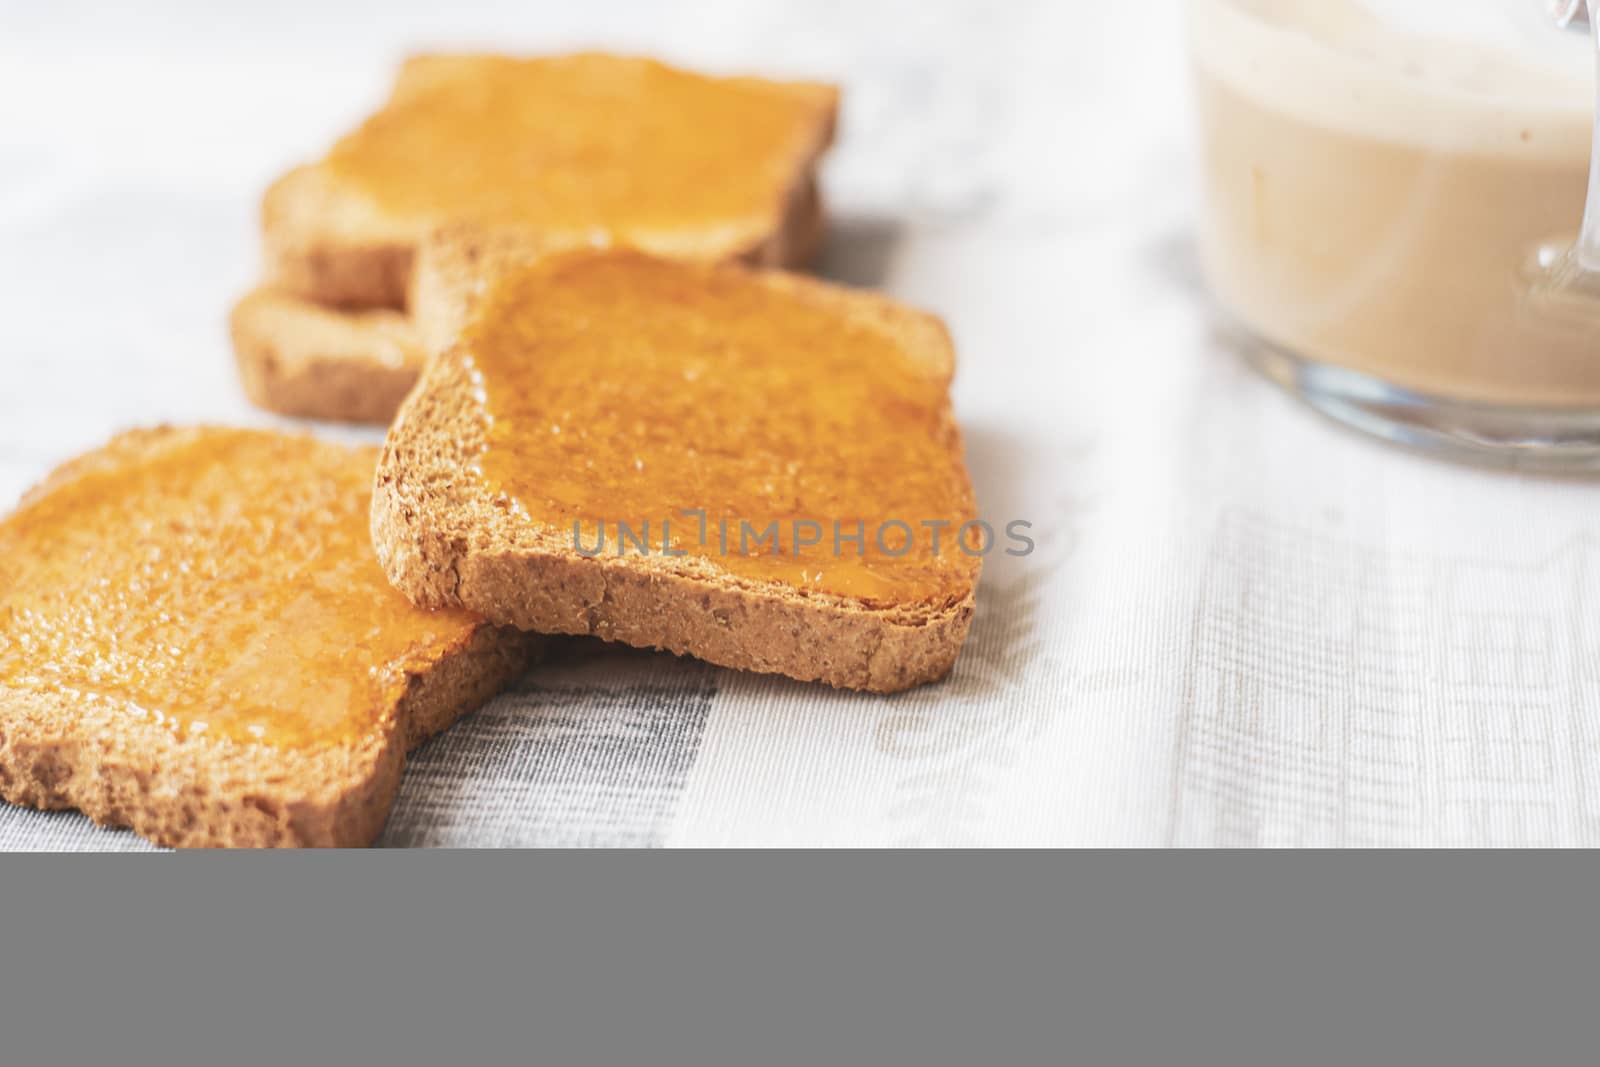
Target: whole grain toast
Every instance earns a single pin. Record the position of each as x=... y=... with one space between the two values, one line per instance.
x=594 y=387
x=196 y=643
x=454 y=267
x=297 y=357
x=567 y=149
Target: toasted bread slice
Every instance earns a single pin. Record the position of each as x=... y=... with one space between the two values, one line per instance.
x=596 y=388
x=454 y=268
x=300 y=358
x=567 y=149
x=196 y=642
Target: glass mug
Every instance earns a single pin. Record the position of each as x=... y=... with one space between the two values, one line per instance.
x=1391 y=195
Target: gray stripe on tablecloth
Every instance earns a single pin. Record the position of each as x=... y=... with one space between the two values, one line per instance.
x=593 y=761
x=26 y=830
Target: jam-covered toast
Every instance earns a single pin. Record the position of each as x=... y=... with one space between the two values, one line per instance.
x=567 y=149
x=196 y=642
x=755 y=468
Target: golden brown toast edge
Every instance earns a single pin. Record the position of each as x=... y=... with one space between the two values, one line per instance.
x=443 y=541
x=299 y=358
x=326 y=242
x=130 y=771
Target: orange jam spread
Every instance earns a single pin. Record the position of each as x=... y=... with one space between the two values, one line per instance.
x=621 y=388
x=585 y=143
x=225 y=585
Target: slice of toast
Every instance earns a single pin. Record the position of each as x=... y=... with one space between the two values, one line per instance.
x=569 y=149
x=587 y=389
x=454 y=267
x=196 y=642
x=299 y=358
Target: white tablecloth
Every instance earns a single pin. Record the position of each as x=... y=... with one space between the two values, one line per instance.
x=1242 y=625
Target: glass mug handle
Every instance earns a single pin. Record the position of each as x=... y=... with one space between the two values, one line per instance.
x=1588 y=251
x=1568 y=279
x=1565 y=11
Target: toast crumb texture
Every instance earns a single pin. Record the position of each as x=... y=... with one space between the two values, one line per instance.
x=299 y=358
x=346 y=236
x=76 y=737
x=444 y=539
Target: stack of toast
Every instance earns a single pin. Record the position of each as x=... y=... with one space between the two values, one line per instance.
x=612 y=421
x=553 y=152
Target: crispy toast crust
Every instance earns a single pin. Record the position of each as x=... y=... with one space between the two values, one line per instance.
x=443 y=539
x=299 y=358
x=454 y=261
x=321 y=242
x=130 y=770
x=197 y=794
x=326 y=240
